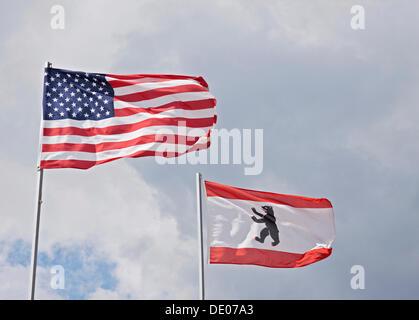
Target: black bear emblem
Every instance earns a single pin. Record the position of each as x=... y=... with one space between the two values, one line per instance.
x=270 y=225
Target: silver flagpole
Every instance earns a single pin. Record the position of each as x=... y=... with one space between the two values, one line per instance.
x=37 y=221
x=200 y=237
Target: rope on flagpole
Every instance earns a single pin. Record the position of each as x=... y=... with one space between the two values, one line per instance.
x=200 y=236
x=34 y=256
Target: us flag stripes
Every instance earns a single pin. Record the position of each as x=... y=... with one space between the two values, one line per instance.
x=91 y=118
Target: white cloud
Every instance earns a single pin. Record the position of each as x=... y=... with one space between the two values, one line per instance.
x=14 y=279
x=103 y=294
x=113 y=210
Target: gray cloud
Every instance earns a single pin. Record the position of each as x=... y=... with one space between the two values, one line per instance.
x=338 y=108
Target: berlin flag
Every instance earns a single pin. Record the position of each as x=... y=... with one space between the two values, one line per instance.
x=267 y=229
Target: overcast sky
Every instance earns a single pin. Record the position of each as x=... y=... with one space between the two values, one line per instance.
x=339 y=109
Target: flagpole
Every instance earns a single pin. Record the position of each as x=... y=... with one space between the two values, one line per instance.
x=200 y=236
x=34 y=256
x=36 y=234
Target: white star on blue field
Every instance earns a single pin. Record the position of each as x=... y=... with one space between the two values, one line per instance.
x=72 y=95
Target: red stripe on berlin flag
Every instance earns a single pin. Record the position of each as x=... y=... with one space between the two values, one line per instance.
x=267 y=258
x=214 y=189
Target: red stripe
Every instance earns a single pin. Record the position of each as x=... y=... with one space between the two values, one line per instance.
x=266 y=258
x=159 y=92
x=214 y=189
x=84 y=164
x=125 y=128
x=184 y=105
x=125 y=83
x=116 y=83
x=93 y=148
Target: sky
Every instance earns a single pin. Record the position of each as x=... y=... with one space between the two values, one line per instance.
x=339 y=112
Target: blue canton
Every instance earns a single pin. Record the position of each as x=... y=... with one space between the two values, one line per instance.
x=76 y=95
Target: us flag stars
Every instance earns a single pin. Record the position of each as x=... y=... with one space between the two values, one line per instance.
x=77 y=96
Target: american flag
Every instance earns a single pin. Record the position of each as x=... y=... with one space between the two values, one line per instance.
x=92 y=118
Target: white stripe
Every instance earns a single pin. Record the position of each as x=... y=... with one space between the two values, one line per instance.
x=140 y=78
x=116 y=153
x=135 y=118
x=168 y=130
x=141 y=87
x=156 y=102
x=300 y=229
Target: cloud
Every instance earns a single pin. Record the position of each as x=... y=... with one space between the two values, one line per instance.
x=14 y=277
x=391 y=141
x=113 y=211
x=333 y=104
